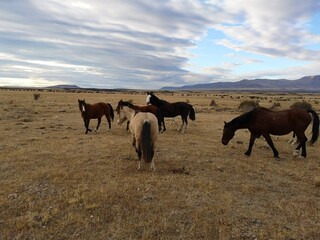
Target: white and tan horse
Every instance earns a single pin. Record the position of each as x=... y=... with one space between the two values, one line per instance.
x=144 y=130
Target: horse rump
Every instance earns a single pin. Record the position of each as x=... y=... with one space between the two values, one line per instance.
x=146 y=142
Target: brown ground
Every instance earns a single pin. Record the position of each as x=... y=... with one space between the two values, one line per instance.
x=58 y=183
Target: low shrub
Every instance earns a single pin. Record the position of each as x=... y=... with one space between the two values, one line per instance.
x=304 y=105
x=248 y=105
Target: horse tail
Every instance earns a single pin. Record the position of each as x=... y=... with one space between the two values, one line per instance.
x=315 y=126
x=146 y=142
x=192 y=113
x=111 y=111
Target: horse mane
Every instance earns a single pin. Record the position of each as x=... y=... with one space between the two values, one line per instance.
x=127 y=104
x=160 y=101
x=244 y=118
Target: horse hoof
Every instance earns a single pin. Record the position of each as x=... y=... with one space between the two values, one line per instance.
x=277 y=157
x=296 y=153
x=301 y=157
x=247 y=154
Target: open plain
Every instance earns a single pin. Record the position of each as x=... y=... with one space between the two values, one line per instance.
x=58 y=183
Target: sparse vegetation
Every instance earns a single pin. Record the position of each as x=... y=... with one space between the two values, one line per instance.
x=36 y=96
x=213 y=103
x=248 y=105
x=58 y=183
x=275 y=105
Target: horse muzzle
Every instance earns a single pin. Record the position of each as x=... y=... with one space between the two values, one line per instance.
x=224 y=142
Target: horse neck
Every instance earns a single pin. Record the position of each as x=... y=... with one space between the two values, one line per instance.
x=129 y=113
x=157 y=102
x=243 y=121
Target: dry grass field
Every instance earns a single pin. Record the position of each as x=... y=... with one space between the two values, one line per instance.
x=58 y=183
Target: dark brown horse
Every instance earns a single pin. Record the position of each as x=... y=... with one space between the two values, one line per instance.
x=95 y=111
x=148 y=108
x=173 y=109
x=262 y=121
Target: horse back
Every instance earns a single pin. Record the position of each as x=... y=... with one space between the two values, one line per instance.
x=174 y=109
x=136 y=124
x=279 y=122
x=97 y=110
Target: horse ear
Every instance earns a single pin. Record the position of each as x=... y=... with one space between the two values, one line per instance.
x=225 y=123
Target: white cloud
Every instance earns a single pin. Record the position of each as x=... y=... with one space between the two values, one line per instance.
x=273 y=28
x=143 y=43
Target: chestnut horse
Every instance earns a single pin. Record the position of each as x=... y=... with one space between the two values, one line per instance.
x=173 y=109
x=262 y=121
x=149 y=108
x=95 y=111
x=144 y=130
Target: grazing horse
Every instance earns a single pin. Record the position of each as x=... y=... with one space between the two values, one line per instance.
x=95 y=111
x=173 y=109
x=144 y=130
x=262 y=121
x=149 y=108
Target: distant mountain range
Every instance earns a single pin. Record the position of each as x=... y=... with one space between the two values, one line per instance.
x=309 y=83
x=64 y=86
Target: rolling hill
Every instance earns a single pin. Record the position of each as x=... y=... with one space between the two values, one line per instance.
x=309 y=83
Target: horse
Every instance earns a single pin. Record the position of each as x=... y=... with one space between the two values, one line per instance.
x=144 y=130
x=263 y=121
x=149 y=108
x=173 y=109
x=95 y=111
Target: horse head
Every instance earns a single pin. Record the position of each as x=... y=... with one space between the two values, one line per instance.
x=149 y=95
x=82 y=105
x=228 y=133
x=122 y=116
x=120 y=104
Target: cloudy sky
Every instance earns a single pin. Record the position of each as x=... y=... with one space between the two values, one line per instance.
x=150 y=44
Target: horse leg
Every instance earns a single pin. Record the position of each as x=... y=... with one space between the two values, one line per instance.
x=99 y=121
x=163 y=124
x=270 y=142
x=302 y=144
x=185 y=124
x=109 y=121
x=86 y=124
x=181 y=127
x=296 y=152
x=138 y=151
x=293 y=139
x=159 y=123
x=251 y=142
x=153 y=168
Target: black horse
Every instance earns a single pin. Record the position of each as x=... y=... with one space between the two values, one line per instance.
x=173 y=109
x=262 y=121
